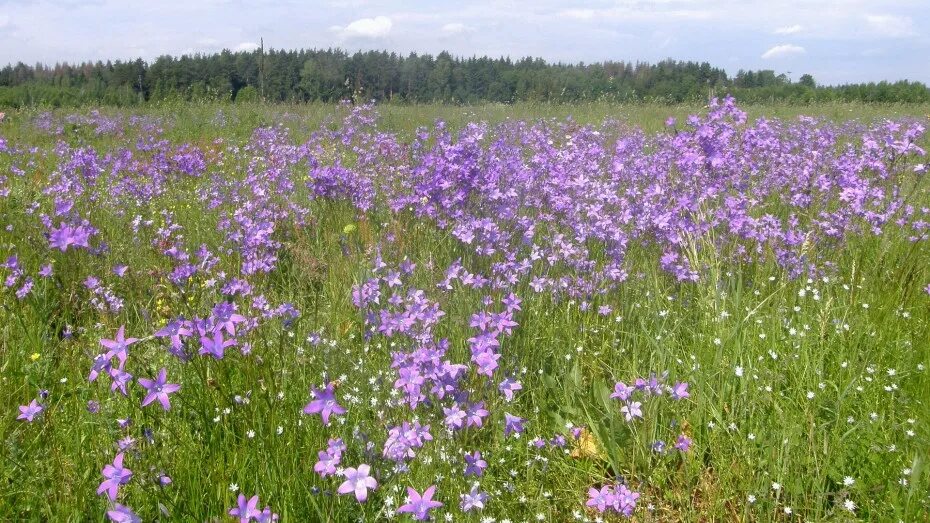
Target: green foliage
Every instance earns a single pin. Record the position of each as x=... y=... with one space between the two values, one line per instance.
x=247 y=94
x=333 y=74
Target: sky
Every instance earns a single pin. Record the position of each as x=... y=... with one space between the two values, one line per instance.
x=836 y=41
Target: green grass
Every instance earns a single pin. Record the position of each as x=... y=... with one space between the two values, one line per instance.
x=845 y=339
x=207 y=121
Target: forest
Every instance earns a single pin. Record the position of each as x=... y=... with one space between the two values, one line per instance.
x=333 y=74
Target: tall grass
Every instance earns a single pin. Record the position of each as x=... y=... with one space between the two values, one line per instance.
x=804 y=393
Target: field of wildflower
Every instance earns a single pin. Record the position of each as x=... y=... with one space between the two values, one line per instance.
x=332 y=317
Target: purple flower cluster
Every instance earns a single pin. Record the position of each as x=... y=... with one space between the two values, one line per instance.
x=653 y=386
x=329 y=459
x=557 y=210
x=247 y=510
x=403 y=439
x=617 y=498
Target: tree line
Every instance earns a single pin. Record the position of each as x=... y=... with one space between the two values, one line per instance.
x=330 y=75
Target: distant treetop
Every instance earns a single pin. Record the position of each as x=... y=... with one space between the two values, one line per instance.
x=333 y=74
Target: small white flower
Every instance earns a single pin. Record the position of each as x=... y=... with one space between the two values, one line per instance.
x=739 y=372
x=849 y=505
x=848 y=481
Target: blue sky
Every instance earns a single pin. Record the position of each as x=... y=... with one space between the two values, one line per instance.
x=835 y=40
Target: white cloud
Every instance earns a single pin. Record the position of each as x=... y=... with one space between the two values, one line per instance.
x=580 y=14
x=636 y=12
x=781 y=50
x=246 y=46
x=455 y=28
x=346 y=4
x=788 y=30
x=376 y=27
x=890 y=26
x=844 y=30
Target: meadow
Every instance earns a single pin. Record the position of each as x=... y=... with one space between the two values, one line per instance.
x=492 y=313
